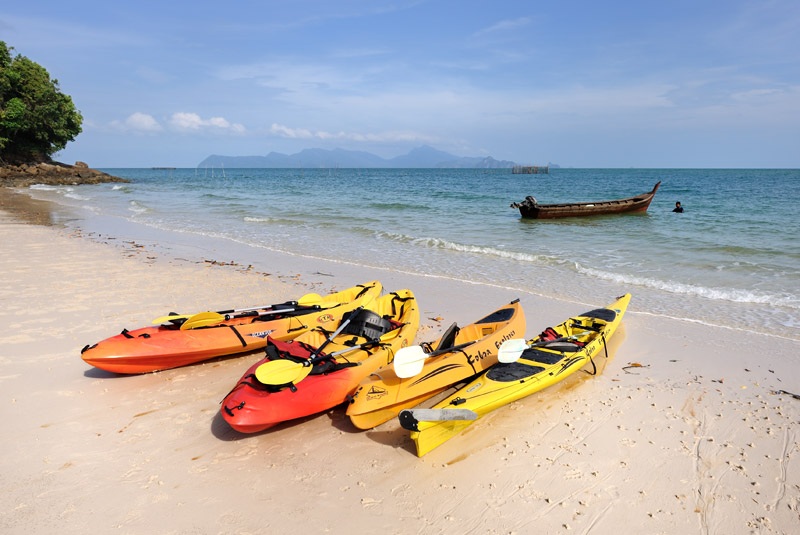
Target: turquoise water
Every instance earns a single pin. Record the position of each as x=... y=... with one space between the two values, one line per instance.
x=732 y=259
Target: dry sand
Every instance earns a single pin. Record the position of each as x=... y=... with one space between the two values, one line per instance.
x=680 y=432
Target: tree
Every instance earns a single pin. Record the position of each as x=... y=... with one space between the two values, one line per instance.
x=36 y=119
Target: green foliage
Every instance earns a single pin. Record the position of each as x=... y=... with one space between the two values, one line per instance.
x=36 y=119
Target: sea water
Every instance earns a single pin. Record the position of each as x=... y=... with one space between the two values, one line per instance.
x=732 y=259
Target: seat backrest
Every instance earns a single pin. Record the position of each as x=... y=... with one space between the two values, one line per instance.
x=448 y=339
x=367 y=324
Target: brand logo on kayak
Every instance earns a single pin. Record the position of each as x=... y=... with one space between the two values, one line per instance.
x=472 y=359
x=376 y=392
x=262 y=334
x=325 y=318
x=508 y=336
x=404 y=343
x=473 y=387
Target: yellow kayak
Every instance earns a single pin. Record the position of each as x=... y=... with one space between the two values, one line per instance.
x=551 y=357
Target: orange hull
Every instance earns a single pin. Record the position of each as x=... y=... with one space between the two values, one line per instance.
x=166 y=346
x=382 y=395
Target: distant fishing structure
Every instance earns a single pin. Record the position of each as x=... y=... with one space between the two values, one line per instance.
x=170 y=169
x=530 y=170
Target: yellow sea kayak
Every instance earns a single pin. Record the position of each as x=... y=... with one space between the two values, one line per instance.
x=545 y=360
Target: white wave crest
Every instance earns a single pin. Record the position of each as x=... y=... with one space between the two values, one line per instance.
x=717 y=294
x=438 y=243
x=137 y=208
x=43 y=187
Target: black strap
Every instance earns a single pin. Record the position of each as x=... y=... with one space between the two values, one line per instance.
x=244 y=344
x=605 y=347
x=364 y=289
x=297 y=328
x=402 y=308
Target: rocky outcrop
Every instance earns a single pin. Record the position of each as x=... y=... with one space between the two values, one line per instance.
x=54 y=173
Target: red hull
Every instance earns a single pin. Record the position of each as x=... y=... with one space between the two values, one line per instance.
x=249 y=410
x=253 y=406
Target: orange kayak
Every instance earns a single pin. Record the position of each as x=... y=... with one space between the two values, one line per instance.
x=323 y=367
x=172 y=344
x=458 y=355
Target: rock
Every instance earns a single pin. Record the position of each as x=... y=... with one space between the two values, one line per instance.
x=25 y=174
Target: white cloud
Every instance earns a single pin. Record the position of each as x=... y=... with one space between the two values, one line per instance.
x=143 y=122
x=380 y=137
x=138 y=122
x=192 y=121
x=292 y=133
x=503 y=26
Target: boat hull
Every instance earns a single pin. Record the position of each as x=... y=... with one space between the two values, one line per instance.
x=253 y=406
x=537 y=369
x=166 y=346
x=382 y=395
x=530 y=209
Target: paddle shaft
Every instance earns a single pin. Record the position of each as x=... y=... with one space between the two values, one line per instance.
x=448 y=349
x=332 y=336
x=249 y=313
x=298 y=371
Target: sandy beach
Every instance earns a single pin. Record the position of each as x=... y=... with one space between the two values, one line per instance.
x=683 y=430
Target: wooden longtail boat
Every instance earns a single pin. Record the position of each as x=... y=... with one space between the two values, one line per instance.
x=531 y=209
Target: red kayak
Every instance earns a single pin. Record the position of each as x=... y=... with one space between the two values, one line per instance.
x=319 y=369
x=182 y=340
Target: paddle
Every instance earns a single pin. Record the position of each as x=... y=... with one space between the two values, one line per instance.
x=204 y=319
x=282 y=368
x=410 y=418
x=283 y=371
x=307 y=300
x=511 y=350
x=409 y=361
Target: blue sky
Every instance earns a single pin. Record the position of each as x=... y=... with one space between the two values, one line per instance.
x=578 y=83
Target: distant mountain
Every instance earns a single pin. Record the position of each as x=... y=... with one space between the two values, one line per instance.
x=421 y=157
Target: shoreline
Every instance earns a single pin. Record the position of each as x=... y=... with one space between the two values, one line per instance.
x=150 y=452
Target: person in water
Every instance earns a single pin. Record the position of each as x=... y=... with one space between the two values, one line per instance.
x=678 y=207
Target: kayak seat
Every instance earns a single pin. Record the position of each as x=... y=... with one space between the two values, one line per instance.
x=542 y=357
x=564 y=347
x=498 y=316
x=514 y=371
x=367 y=324
x=448 y=339
x=604 y=314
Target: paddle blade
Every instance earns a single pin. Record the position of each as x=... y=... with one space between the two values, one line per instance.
x=203 y=319
x=410 y=418
x=409 y=361
x=511 y=350
x=281 y=372
x=172 y=317
x=309 y=300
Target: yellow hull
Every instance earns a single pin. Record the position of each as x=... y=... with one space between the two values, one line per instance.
x=535 y=370
x=382 y=395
